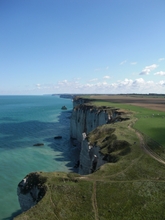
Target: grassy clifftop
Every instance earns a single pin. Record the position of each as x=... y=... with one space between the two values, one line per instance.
x=130 y=186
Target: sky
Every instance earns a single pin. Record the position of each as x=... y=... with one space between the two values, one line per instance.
x=82 y=46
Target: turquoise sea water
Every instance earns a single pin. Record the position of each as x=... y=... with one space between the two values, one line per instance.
x=24 y=121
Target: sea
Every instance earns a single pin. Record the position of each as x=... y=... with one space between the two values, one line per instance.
x=25 y=121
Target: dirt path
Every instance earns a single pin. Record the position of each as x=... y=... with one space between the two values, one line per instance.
x=145 y=147
x=94 y=201
x=148 y=150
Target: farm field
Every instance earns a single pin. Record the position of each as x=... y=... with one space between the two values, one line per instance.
x=146 y=101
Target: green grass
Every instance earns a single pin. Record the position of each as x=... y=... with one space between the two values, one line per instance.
x=136 y=200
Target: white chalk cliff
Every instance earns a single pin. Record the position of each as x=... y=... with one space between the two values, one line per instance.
x=90 y=158
x=84 y=119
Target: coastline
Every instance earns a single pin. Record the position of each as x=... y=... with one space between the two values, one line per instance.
x=19 y=156
x=129 y=177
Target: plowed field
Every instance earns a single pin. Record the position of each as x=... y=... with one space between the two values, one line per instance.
x=155 y=103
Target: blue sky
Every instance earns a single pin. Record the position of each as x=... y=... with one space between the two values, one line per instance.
x=82 y=46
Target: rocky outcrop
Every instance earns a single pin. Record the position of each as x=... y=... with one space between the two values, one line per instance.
x=64 y=107
x=58 y=137
x=30 y=191
x=38 y=144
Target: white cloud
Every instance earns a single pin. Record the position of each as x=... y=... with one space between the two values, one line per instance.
x=162 y=83
x=148 y=69
x=138 y=85
x=125 y=82
x=160 y=73
x=64 y=82
x=133 y=63
x=38 y=86
x=123 y=62
x=139 y=81
x=97 y=69
x=106 y=77
x=161 y=59
x=101 y=69
x=92 y=80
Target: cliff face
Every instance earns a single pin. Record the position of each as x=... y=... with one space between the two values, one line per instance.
x=90 y=158
x=30 y=191
x=84 y=119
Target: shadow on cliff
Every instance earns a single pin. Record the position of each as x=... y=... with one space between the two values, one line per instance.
x=14 y=214
x=64 y=146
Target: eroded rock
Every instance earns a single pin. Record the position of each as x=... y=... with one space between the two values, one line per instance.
x=38 y=144
x=31 y=190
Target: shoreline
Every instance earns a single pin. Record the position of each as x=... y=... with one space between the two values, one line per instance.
x=37 y=120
